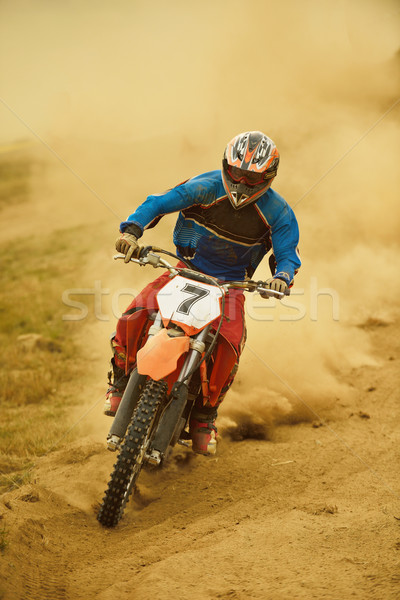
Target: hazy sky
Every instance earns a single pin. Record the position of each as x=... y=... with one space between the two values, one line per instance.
x=130 y=69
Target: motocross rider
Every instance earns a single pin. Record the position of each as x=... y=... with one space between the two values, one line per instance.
x=228 y=220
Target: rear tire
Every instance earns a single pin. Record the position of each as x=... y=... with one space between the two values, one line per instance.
x=131 y=458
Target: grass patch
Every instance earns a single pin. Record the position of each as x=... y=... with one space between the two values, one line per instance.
x=38 y=352
x=15 y=480
x=37 y=348
x=14 y=179
x=3 y=539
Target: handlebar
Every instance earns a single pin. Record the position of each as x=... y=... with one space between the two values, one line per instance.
x=148 y=255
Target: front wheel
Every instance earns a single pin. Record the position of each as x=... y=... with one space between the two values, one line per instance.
x=130 y=460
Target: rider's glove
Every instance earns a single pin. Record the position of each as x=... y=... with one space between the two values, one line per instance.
x=275 y=284
x=127 y=244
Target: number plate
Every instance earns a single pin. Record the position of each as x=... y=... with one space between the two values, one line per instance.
x=190 y=304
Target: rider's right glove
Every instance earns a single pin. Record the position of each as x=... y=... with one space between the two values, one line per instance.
x=275 y=283
x=127 y=244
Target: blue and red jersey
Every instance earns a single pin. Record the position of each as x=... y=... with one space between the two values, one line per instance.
x=218 y=239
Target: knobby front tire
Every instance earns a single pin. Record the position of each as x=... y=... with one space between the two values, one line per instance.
x=130 y=460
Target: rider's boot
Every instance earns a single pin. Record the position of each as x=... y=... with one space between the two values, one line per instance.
x=202 y=427
x=203 y=431
x=117 y=383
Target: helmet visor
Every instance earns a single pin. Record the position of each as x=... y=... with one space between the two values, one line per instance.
x=250 y=177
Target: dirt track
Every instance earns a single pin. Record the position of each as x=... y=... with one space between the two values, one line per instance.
x=311 y=513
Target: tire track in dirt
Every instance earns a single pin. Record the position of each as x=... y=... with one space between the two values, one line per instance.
x=45 y=585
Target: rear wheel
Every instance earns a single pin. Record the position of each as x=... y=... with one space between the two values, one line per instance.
x=131 y=458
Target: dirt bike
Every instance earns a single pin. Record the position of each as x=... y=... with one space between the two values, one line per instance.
x=171 y=370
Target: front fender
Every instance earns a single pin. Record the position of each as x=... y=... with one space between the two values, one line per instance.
x=160 y=354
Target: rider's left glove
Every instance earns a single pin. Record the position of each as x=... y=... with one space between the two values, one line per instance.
x=275 y=284
x=127 y=244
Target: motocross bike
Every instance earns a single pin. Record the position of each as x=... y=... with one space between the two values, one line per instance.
x=172 y=368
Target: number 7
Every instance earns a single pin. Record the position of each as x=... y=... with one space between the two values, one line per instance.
x=197 y=292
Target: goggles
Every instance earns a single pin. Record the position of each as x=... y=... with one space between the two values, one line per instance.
x=250 y=177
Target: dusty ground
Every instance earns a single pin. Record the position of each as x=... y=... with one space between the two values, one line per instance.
x=311 y=513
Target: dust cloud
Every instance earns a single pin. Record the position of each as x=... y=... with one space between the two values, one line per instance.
x=136 y=98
